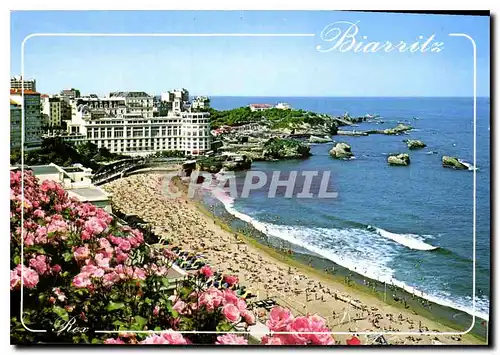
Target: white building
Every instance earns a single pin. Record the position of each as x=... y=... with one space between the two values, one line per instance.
x=76 y=180
x=189 y=132
x=124 y=123
x=283 y=106
x=200 y=103
x=16 y=83
x=32 y=117
x=173 y=102
x=136 y=102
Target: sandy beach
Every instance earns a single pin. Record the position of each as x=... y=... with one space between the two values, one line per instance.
x=266 y=274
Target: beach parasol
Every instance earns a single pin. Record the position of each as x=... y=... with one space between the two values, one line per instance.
x=354 y=341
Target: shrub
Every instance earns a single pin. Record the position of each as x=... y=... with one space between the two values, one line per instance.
x=82 y=272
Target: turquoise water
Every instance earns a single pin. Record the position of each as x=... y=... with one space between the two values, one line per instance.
x=387 y=221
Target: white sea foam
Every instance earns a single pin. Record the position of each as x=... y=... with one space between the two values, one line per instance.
x=408 y=240
x=361 y=250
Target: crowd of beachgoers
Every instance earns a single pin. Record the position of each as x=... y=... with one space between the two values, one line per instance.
x=182 y=222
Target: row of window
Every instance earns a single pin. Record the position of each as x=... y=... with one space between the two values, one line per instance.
x=145 y=146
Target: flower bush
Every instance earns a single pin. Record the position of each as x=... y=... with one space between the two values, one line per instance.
x=82 y=272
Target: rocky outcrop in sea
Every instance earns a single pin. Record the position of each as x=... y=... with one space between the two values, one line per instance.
x=401 y=159
x=341 y=151
x=414 y=144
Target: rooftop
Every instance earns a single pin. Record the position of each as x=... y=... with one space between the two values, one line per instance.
x=26 y=92
x=261 y=105
x=44 y=169
x=89 y=192
x=129 y=94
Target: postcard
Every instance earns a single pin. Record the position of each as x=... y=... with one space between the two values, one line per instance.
x=244 y=178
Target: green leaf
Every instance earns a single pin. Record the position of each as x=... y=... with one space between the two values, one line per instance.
x=224 y=327
x=17 y=260
x=61 y=312
x=165 y=282
x=140 y=321
x=67 y=256
x=112 y=306
x=118 y=323
x=95 y=341
x=35 y=248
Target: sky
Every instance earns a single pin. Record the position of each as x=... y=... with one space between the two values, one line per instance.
x=249 y=66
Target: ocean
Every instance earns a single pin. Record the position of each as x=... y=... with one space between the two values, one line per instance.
x=409 y=226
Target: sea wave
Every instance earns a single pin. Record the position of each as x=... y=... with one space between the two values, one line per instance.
x=408 y=240
x=362 y=250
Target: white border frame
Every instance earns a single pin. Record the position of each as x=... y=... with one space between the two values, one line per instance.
x=245 y=35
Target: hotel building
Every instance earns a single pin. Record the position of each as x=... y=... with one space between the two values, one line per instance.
x=124 y=123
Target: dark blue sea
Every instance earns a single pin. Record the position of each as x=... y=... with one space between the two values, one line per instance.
x=387 y=221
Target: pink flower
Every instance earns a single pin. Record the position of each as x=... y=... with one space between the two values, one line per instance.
x=317 y=325
x=179 y=306
x=95 y=226
x=29 y=239
x=249 y=317
x=15 y=279
x=175 y=338
x=211 y=299
x=92 y=270
x=81 y=253
x=231 y=339
x=56 y=268
x=231 y=312
x=104 y=243
x=82 y=280
x=241 y=305
x=299 y=325
x=114 y=341
x=40 y=264
x=110 y=278
x=38 y=213
x=101 y=260
x=229 y=297
x=230 y=279
x=139 y=274
x=124 y=245
x=30 y=276
x=60 y=295
x=156 y=310
x=277 y=339
x=206 y=271
x=170 y=337
x=121 y=257
x=41 y=235
x=279 y=319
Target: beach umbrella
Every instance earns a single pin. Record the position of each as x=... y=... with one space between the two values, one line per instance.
x=354 y=341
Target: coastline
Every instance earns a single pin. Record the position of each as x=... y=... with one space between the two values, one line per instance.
x=191 y=216
x=319 y=267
